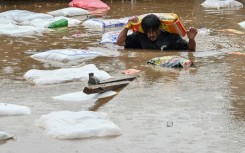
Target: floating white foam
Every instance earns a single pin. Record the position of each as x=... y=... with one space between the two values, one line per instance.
x=5 y=136
x=66 y=56
x=242 y=24
x=81 y=96
x=64 y=75
x=222 y=4
x=70 y=11
x=75 y=125
x=11 y=109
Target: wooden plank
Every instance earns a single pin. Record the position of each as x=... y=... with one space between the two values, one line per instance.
x=100 y=88
x=131 y=78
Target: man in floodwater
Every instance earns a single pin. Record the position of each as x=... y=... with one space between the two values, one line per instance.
x=154 y=37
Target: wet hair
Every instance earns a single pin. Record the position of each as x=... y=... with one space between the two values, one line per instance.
x=150 y=23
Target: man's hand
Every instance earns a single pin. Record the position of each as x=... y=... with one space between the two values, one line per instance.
x=191 y=33
x=133 y=19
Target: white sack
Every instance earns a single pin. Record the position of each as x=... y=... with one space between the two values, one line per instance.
x=75 y=125
x=5 y=136
x=111 y=36
x=100 y=24
x=11 y=109
x=24 y=15
x=16 y=30
x=70 y=11
x=81 y=96
x=24 y=23
x=222 y=4
x=65 y=56
x=242 y=24
x=64 y=75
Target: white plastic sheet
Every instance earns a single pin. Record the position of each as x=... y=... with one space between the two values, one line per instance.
x=222 y=4
x=64 y=75
x=12 y=109
x=75 y=125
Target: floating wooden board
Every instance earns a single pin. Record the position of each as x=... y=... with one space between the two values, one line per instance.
x=131 y=78
x=103 y=87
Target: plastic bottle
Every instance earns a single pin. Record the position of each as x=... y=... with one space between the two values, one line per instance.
x=58 y=24
x=93 y=80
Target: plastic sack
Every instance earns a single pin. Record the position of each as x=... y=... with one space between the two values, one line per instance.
x=12 y=109
x=88 y=4
x=170 y=61
x=222 y=4
x=75 y=125
x=65 y=56
x=70 y=11
x=100 y=24
x=169 y=22
x=111 y=37
x=242 y=24
x=58 y=24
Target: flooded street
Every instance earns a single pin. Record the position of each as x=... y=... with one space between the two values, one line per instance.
x=198 y=109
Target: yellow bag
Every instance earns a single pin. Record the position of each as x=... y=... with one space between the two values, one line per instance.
x=169 y=22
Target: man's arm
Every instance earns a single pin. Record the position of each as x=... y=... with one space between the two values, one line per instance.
x=191 y=34
x=122 y=37
x=123 y=34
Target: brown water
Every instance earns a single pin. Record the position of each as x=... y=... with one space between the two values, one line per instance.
x=206 y=103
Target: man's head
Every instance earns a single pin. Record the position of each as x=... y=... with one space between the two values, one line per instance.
x=151 y=26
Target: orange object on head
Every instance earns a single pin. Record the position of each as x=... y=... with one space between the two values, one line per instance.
x=169 y=22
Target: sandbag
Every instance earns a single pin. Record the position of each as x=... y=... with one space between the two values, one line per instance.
x=100 y=24
x=222 y=4
x=88 y=4
x=111 y=37
x=65 y=56
x=64 y=75
x=170 y=61
x=77 y=125
x=169 y=22
x=58 y=24
x=70 y=11
x=12 y=109
x=242 y=24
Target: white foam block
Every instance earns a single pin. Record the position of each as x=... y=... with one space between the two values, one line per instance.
x=11 y=109
x=64 y=75
x=75 y=125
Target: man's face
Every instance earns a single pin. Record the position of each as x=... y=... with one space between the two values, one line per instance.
x=152 y=35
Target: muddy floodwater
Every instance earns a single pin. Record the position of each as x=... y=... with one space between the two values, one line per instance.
x=198 y=109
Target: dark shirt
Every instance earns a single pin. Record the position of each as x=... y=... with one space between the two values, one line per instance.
x=165 y=41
